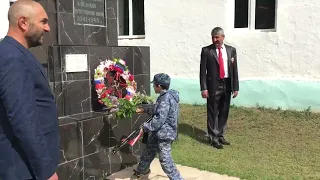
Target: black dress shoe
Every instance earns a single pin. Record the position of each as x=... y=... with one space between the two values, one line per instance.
x=216 y=144
x=222 y=140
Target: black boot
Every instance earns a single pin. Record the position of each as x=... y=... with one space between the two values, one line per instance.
x=216 y=144
x=138 y=175
x=223 y=141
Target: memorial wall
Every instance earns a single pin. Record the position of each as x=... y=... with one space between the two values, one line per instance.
x=84 y=33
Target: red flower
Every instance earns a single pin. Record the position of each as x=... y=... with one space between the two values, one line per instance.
x=100 y=86
x=111 y=67
x=127 y=97
x=104 y=94
x=109 y=91
x=118 y=69
x=123 y=85
x=131 y=78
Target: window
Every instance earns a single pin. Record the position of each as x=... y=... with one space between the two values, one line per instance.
x=255 y=14
x=241 y=13
x=131 y=18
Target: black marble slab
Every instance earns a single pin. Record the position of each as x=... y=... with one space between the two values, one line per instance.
x=87 y=134
x=65 y=30
x=76 y=28
x=86 y=143
x=71 y=139
x=71 y=170
x=92 y=130
x=74 y=92
x=135 y=123
x=112 y=23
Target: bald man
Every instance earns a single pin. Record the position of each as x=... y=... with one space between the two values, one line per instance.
x=29 y=137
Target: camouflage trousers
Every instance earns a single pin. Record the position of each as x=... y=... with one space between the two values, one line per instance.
x=162 y=147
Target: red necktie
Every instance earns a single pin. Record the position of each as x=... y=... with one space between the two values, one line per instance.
x=222 y=73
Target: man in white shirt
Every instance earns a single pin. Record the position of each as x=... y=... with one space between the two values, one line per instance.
x=218 y=81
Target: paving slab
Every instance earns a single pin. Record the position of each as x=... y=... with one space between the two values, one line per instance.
x=188 y=173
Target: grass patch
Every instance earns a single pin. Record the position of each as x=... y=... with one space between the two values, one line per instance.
x=265 y=143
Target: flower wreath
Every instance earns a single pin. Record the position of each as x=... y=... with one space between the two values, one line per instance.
x=116 y=88
x=113 y=81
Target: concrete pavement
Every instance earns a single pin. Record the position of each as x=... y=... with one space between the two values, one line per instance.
x=188 y=173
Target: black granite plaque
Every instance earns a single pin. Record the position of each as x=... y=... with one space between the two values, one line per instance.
x=89 y=12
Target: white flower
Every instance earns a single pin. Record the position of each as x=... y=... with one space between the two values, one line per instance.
x=125 y=76
x=99 y=91
x=131 y=90
x=101 y=68
x=108 y=63
x=122 y=62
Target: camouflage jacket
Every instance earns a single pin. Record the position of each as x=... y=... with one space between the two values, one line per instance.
x=165 y=122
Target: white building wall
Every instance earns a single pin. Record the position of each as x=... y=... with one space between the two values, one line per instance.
x=176 y=31
x=4 y=7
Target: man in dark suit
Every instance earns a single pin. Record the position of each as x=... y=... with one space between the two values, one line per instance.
x=29 y=136
x=218 y=81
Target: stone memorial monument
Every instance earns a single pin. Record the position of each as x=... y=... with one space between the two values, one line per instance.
x=84 y=32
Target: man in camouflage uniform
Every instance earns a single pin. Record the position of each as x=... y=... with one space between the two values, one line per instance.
x=163 y=130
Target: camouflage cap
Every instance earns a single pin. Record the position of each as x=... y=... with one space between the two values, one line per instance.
x=161 y=79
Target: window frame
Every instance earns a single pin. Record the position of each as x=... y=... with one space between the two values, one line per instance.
x=252 y=18
x=130 y=36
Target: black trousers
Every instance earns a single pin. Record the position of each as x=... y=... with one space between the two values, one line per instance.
x=218 y=105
